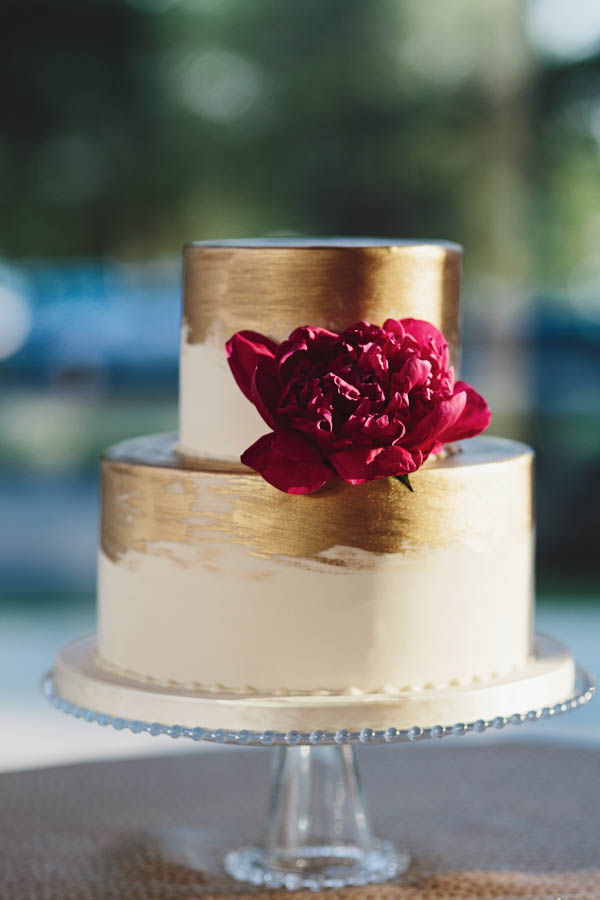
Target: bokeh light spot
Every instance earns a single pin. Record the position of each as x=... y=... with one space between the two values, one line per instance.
x=15 y=321
x=568 y=30
x=219 y=85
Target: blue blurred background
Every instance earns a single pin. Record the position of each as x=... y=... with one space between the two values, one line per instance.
x=130 y=126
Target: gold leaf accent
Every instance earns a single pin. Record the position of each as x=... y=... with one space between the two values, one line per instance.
x=273 y=287
x=149 y=501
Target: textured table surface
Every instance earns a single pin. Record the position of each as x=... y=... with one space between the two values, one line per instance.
x=509 y=821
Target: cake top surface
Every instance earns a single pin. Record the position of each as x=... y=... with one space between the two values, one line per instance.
x=326 y=242
x=160 y=451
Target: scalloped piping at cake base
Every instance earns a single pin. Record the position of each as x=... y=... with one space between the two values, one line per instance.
x=242 y=690
x=546 y=681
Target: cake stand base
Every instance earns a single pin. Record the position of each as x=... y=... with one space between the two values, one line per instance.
x=318 y=834
x=318 y=867
x=80 y=677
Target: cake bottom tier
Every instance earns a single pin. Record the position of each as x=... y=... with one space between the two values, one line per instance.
x=210 y=578
x=546 y=680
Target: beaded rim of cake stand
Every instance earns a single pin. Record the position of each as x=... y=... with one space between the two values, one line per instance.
x=585 y=686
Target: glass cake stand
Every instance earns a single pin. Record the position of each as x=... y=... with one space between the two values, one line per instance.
x=318 y=833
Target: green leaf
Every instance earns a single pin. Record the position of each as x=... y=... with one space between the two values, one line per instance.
x=405 y=481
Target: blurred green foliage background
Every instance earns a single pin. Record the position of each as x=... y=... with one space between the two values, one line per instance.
x=127 y=125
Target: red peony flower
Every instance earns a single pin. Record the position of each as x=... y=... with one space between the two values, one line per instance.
x=367 y=403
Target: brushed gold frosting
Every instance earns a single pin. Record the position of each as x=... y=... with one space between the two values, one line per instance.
x=274 y=286
x=150 y=501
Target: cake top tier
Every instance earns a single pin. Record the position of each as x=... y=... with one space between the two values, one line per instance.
x=275 y=285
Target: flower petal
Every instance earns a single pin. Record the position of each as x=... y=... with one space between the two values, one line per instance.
x=425 y=432
x=427 y=335
x=414 y=371
x=289 y=462
x=303 y=343
x=245 y=349
x=396 y=461
x=395 y=327
x=338 y=386
x=474 y=418
x=265 y=390
x=355 y=465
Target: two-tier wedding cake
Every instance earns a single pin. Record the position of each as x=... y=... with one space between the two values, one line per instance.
x=370 y=557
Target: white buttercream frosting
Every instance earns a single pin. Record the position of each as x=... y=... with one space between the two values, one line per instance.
x=417 y=620
x=547 y=679
x=216 y=420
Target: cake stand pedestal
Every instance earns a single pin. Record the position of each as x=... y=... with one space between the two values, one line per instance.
x=318 y=833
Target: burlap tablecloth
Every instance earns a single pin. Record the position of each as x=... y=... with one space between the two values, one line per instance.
x=508 y=821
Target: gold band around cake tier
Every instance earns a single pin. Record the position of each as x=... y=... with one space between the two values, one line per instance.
x=274 y=287
x=150 y=502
